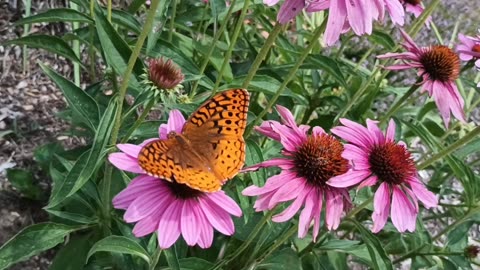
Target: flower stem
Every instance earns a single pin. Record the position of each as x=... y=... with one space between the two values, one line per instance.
x=233 y=41
x=247 y=242
x=172 y=20
x=262 y=54
x=212 y=47
x=451 y=148
x=279 y=242
x=106 y=183
x=155 y=258
x=139 y=120
x=400 y=101
x=357 y=209
x=289 y=77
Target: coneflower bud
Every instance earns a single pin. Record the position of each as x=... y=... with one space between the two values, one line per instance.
x=164 y=74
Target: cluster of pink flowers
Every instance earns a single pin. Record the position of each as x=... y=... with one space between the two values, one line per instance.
x=317 y=172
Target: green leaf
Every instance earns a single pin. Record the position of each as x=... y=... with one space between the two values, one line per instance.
x=255 y=156
x=172 y=258
x=72 y=216
x=328 y=65
x=382 y=38
x=33 y=240
x=24 y=183
x=116 y=50
x=56 y=15
x=377 y=253
x=120 y=244
x=286 y=259
x=73 y=255
x=50 y=43
x=79 y=101
x=193 y=263
x=126 y=20
x=88 y=162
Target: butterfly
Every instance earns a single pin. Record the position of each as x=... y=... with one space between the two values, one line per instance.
x=209 y=151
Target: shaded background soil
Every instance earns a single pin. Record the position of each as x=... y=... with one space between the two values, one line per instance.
x=29 y=103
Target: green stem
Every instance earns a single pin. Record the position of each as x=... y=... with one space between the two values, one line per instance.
x=357 y=209
x=26 y=30
x=279 y=242
x=228 y=54
x=262 y=54
x=91 y=47
x=139 y=120
x=172 y=20
x=109 y=10
x=217 y=36
x=76 y=49
x=400 y=101
x=258 y=228
x=451 y=148
x=288 y=78
x=450 y=227
x=155 y=259
x=120 y=98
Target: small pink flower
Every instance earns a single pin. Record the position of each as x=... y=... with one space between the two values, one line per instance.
x=439 y=67
x=469 y=48
x=415 y=7
x=170 y=208
x=308 y=162
x=378 y=159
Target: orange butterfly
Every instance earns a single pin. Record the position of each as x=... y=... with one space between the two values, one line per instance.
x=209 y=151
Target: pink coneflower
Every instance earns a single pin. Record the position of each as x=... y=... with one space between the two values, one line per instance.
x=378 y=159
x=170 y=208
x=308 y=162
x=343 y=14
x=469 y=48
x=415 y=7
x=439 y=67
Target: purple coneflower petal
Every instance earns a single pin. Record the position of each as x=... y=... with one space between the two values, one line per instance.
x=381 y=207
x=293 y=208
x=137 y=186
x=282 y=163
x=317 y=210
x=336 y=21
x=390 y=134
x=216 y=216
x=148 y=224
x=131 y=150
x=225 y=202
x=403 y=212
x=266 y=129
x=396 y=11
x=289 y=10
x=370 y=181
x=359 y=16
x=272 y=184
x=348 y=179
x=423 y=194
x=206 y=231
x=306 y=215
x=169 y=225
x=189 y=223
x=146 y=204
x=286 y=192
x=125 y=162
x=378 y=137
x=334 y=209
x=263 y=202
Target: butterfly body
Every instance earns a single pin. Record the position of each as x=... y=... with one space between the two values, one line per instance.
x=210 y=149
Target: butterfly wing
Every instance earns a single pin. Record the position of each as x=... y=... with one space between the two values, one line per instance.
x=216 y=130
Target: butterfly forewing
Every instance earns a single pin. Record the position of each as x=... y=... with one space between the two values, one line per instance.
x=210 y=150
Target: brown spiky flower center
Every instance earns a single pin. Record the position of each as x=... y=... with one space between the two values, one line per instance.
x=164 y=74
x=391 y=163
x=413 y=2
x=319 y=158
x=440 y=63
x=476 y=48
x=182 y=191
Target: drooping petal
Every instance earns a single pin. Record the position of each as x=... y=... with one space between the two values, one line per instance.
x=359 y=16
x=272 y=183
x=287 y=192
x=370 y=181
x=189 y=223
x=423 y=194
x=306 y=215
x=334 y=208
x=403 y=211
x=336 y=21
x=381 y=207
x=293 y=208
x=138 y=185
x=205 y=237
x=216 y=216
x=148 y=224
x=147 y=203
x=169 y=225
x=289 y=10
x=317 y=210
x=225 y=202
